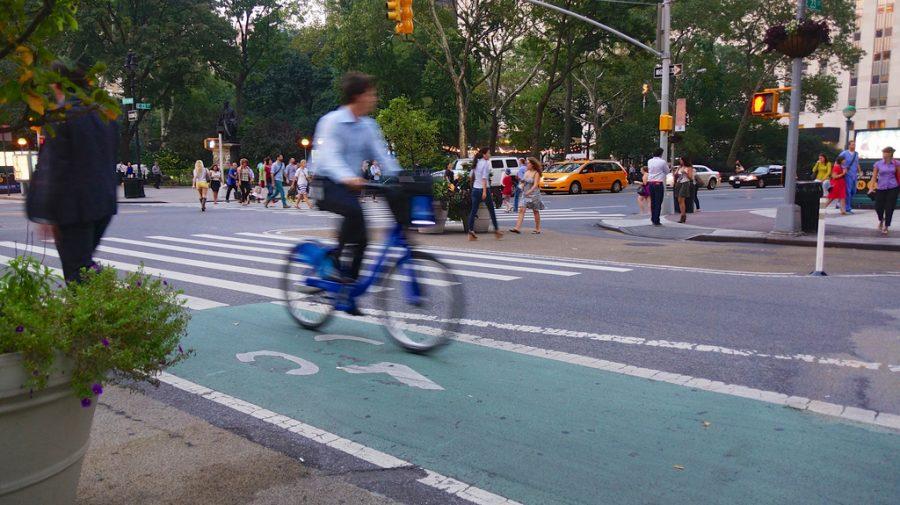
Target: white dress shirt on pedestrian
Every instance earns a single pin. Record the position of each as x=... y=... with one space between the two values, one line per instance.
x=657 y=168
x=482 y=171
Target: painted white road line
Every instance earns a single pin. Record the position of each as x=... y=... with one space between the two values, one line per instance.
x=280 y=262
x=191 y=302
x=380 y=459
x=241 y=287
x=640 y=341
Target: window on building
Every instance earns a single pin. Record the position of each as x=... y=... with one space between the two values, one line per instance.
x=820 y=125
x=881 y=54
x=876 y=124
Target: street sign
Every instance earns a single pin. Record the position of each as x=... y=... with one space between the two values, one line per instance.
x=132 y=115
x=680 y=114
x=674 y=70
x=814 y=5
x=127 y=101
x=143 y=106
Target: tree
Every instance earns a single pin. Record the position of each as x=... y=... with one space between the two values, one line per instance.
x=412 y=135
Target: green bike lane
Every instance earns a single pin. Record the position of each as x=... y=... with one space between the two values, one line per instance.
x=536 y=430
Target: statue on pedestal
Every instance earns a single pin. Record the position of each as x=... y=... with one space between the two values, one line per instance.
x=228 y=124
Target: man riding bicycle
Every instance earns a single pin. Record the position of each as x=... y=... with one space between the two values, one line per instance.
x=344 y=138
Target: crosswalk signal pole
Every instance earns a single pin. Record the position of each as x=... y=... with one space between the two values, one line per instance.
x=668 y=204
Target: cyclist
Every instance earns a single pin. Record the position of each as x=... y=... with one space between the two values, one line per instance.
x=344 y=138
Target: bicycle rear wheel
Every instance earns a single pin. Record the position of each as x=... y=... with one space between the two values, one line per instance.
x=311 y=307
x=421 y=302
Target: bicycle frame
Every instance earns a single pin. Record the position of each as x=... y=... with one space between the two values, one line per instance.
x=396 y=239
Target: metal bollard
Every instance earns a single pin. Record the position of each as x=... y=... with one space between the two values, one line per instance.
x=820 y=242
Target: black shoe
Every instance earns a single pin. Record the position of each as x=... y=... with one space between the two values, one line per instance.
x=354 y=311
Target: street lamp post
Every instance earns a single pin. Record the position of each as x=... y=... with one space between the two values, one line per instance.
x=849 y=111
x=305 y=144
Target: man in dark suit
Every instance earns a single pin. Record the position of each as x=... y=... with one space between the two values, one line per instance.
x=73 y=192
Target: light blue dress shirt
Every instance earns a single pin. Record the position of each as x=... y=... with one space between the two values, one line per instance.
x=343 y=141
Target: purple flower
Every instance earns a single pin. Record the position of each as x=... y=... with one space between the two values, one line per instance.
x=20 y=329
x=95 y=267
x=138 y=283
x=85 y=402
x=104 y=341
x=97 y=389
x=180 y=350
x=165 y=283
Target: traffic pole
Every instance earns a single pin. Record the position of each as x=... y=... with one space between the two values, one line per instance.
x=820 y=241
x=668 y=203
x=221 y=153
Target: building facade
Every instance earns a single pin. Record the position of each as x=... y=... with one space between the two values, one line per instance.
x=873 y=85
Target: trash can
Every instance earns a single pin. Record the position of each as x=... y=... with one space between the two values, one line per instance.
x=134 y=188
x=807 y=196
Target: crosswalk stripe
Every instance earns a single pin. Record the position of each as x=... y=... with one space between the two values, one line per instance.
x=280 y=262
x=496 y=257
x=563 y=273
x=191 y=302
x=241 y=287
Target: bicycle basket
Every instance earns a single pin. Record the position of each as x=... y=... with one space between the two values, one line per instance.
x=421 y=199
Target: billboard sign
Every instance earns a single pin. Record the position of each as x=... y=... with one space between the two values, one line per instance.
x=869 y=143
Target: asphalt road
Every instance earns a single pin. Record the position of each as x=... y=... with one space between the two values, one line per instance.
x=834 y=340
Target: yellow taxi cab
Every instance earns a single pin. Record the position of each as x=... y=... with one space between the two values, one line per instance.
x=585 y=175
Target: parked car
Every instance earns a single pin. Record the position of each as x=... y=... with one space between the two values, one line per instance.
x=589 y=175
x=760 y=177
x=708 y=177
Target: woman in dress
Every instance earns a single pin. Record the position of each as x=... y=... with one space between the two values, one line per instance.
x=201 y=182
x=838 y=190
x=302 y=177
x=886 y=182
x=643 y=192
x=215 y=182
x=531 y=192
x=684 y=179
x=481 y=192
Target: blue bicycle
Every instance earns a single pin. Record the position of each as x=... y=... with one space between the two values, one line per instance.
x=417 y=296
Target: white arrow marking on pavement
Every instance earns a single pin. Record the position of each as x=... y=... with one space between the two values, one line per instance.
x=327 y=338
x=306 y=367
x=402 y=373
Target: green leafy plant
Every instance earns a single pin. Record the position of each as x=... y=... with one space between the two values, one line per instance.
x=441 y=192
x=110 y=327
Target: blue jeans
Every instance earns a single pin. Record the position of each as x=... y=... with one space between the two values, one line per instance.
x=851 y=190
x=657 y=193
x=476 y=201
x=279 y=191
x=518 y=193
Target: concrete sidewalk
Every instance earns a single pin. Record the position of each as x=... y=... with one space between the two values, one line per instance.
x=165 y=194
x=146 y=452
x=854 y=231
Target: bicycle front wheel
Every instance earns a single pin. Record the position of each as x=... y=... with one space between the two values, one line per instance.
x=311 y=307
x=421 y=301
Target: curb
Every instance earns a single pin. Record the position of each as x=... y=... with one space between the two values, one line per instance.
x=793 y=241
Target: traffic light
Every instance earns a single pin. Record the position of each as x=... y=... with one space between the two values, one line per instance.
x=400 y=11
x=666 y=123
x=764 y=103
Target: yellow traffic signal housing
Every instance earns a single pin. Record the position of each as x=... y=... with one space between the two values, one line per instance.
x=764 y=103
x=405 y=24
x=666 y=123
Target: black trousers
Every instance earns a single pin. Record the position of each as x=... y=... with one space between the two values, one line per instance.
x=76 y=244
x=237 y=192
x=244 y=191
x=352 y=235
x=695 y=188
x=885 y=202
x=657 y=193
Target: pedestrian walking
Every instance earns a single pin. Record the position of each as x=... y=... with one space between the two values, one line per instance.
x=129 y=171
x=481 y=192
x=157 y=175
x=696 y=184
x=450 y=175
x=684 y=179
x=302 y=180
x=265 y=178
x=245 y=177
x=72 y=194
x=215 y=182
x=886 y=183
x=643 y=192
x=531 y=193
x=231 y=183
x=821 y=171
x=143 y=170
x=507 y=192
x=200 y=181
x=657 y=168
x=851 y=169
x=517 y=183
x=277 y=172
x=837 y=191
x=290 y=179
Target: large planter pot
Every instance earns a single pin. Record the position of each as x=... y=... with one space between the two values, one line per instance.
x=43 y=436
x=440 y=220
x=482 y=220
x=798 y=46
